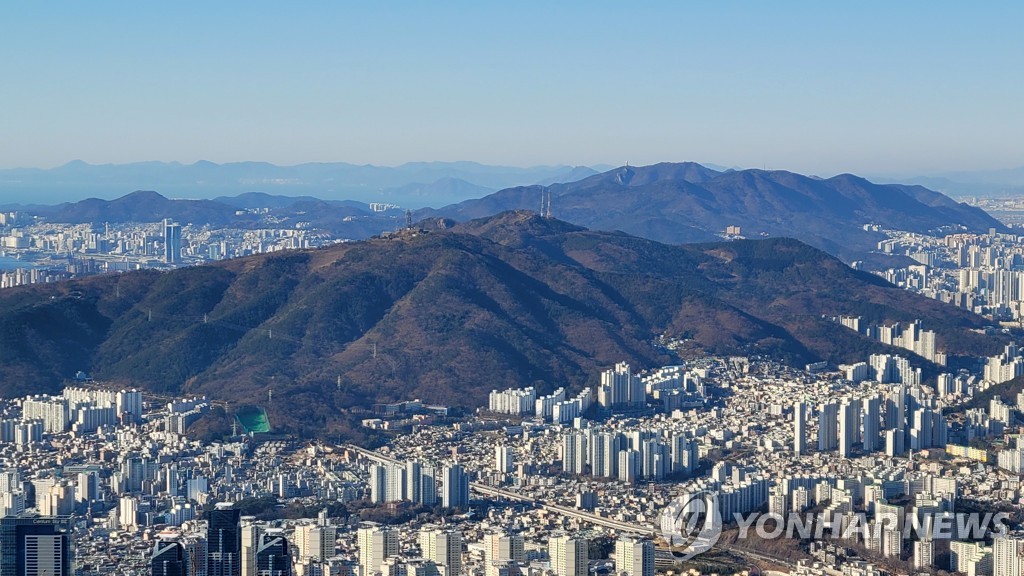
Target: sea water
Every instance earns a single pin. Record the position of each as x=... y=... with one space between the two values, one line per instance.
x=12 y=263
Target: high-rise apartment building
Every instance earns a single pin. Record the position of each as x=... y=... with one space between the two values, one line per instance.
x=620 y=389
x=634 y=556
x=574 y=453
x=871 y=414
x=503 y=462
x=455 y=488
x=799 y=428
x=1007 y=554
x=316 y=542
x=504 y=548
x=828 y=427
x=569 y=555
x=376 y=544
x=443 y=548
x=250 y=540
x=848 y=429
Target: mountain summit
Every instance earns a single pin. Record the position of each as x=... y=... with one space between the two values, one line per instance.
x=139 y=206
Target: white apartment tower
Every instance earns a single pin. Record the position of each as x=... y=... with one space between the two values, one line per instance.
x=504 y=548
x=444 y=548
x=574 y=453
x=376 y=544
x=503 y=462
x=634 y=556
x=621 y=389
x=799 y=428
x=315 y=542
x=1007 y=553
x=569 y=555
x=828 y=430
x=455 y=487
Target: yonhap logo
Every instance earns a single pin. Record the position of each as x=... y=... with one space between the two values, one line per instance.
x=691 y=524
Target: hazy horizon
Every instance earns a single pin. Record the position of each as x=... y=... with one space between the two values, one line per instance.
x=600 y=166
x=415 y=184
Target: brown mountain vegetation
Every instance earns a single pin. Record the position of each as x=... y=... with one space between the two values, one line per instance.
x=446 y=316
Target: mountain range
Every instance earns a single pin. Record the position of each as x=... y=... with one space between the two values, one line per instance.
x=139 y=206
x=346 y=219
x=446 y=316
x=688 y=202
x=977 y=183
x=414 y=184
x=151 y=206
x=670 y=202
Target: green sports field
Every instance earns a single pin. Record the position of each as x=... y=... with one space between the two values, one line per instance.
x=253 y=419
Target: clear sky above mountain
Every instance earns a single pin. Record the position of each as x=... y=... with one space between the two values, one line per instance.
x=815 y=87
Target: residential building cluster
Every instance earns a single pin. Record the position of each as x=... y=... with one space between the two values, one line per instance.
x=665 y=389
x=884 y=368
x=856 y=450
x=37 y=251
x=913 y=337
x=111 y=477
x=983 y=273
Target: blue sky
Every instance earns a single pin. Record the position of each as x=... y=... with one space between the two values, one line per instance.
x=816 y=87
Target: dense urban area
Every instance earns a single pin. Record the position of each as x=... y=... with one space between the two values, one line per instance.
x=607 y=479
x=34 y=250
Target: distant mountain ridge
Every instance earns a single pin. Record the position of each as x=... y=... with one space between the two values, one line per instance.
x=414 y=184
x=687 y=202
x=345 y=219
x=981 y=183
x=139 y=206
x=509 y=300
x=667 y=202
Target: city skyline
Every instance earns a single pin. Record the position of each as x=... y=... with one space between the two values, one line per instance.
x=872 y=450
x=913 y=88
x=538 y=289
